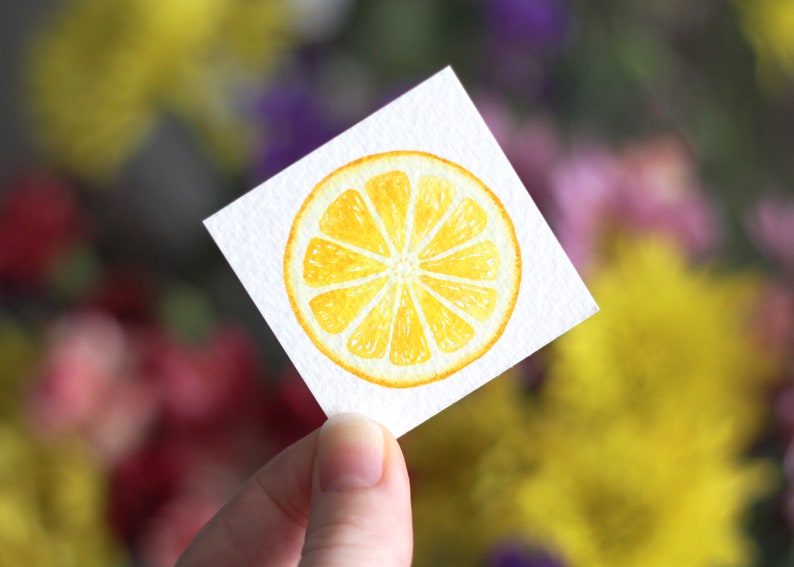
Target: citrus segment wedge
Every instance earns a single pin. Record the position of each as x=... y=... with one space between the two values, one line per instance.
x=349 y=220
x=371 y=338
x=477 y=301
x=337 y=308
x=409 y=344
x=450 y=331
x=467 y=221
x=390 y=193
x=327 y=262
x=402 y=268
x=433 y=198
x=478 y=262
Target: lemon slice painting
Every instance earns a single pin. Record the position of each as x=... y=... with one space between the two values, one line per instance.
x=403 y=264
x=402 y=268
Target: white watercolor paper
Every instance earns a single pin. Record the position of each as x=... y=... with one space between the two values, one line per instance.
x=385 y=267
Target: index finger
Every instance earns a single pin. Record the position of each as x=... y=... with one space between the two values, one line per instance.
x=265 y=522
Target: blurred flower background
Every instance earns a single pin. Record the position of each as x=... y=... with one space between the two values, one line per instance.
x=139 y=386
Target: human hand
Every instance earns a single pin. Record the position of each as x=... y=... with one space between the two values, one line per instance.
x=338 y=497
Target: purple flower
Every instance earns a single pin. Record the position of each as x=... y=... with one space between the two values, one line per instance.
x=538 y=26
x=523 y=37
x=294 y=125
x=519 y=554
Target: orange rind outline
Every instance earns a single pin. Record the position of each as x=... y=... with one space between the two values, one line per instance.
x=435 y=377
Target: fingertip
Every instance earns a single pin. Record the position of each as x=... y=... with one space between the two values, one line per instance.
x=361 y=507
x=351 y=453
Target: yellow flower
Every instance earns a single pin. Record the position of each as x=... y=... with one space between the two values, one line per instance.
x=769 y=27
x=473 y=443
x=671 y=344
x=103 y=73
x=52 y=504
x=632 y=451
x=633 y=493
x=637 y=493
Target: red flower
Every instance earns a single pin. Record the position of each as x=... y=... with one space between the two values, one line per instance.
x=128 y=294
x=208 y=383
x=294 y=412
x=40 y=220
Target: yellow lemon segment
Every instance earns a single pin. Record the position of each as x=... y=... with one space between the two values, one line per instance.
x=402 y=268
x=326 y=262
x=390 y=193
x=337 y=308
x=450 y=331
x=434 y=196
x=371 y=338
x=478 y=262
x=477 y=301
x=349 y=220
x=467 y=221
x=409 y=344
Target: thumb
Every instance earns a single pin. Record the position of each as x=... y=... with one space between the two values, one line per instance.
x=361 y=504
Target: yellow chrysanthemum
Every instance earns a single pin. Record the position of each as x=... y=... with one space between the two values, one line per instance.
x=619 y=496
x=103 y=72
x=635 y=493
x=631 y=454
x=769 y=27
x=671 y=344
x=52 y=504
x=479 y=445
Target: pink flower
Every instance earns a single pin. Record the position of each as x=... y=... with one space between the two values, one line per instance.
x=531 y=147
x=40 y=220
x=665 y=196
x=585 y=193
x=87 y=384
x=592 y=194
x=649 y=189
x=772 y=229
x=179 y=425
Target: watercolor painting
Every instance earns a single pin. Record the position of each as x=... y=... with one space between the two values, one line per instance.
x=402 y=268
x=403 y=265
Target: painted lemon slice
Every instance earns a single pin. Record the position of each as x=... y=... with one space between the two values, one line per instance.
x=402 y=268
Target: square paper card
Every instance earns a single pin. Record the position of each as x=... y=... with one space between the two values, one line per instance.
x=402 y=265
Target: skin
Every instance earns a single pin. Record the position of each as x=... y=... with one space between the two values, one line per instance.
x=338 y=497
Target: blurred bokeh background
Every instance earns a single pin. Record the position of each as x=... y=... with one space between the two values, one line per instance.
x=139 y=385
